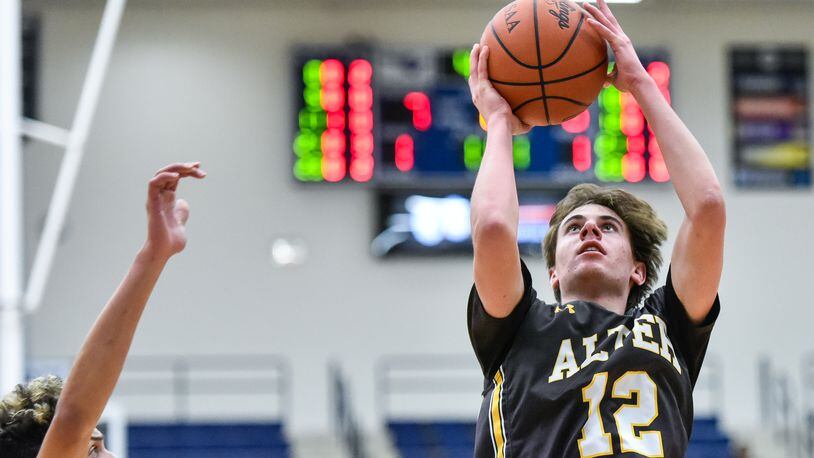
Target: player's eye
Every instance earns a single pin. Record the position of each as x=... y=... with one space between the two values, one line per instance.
x=608 y=227
x=572 y=228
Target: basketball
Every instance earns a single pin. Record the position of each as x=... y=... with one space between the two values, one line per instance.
x=545 y=59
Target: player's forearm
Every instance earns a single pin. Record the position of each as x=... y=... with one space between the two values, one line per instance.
x=494 y=197
x=690 y=171
x=101 y=358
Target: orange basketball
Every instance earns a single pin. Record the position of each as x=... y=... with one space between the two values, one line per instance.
x=545 y=59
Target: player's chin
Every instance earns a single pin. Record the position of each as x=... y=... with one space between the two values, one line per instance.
x=593 y=265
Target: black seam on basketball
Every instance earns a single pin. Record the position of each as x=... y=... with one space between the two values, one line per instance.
x=506 y=50
x=551 y=97
x=540 y=61
x=548 y=83
x=575 y=102
x=578 y=75
x=526 y=103
x=570 y=42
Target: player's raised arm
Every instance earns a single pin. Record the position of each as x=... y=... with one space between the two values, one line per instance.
x=495 y=208
x=698 y=253
x=101 y=358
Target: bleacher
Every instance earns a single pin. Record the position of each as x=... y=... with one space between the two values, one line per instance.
x=708 y=440
x=198 y=440
x=446 y=439
x=433 y=440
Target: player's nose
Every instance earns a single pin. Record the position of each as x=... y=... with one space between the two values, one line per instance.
x=590 y=231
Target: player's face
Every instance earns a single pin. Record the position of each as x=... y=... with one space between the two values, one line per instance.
x=593 y=250
x=96 y=446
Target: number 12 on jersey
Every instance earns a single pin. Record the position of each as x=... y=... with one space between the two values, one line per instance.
x=595 y=441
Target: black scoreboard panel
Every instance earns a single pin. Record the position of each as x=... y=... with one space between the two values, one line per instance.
x=403 y=118
x=770 y=107
x=437 y=223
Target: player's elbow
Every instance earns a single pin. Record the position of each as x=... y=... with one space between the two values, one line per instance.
x=710 y=209
x=492 y=226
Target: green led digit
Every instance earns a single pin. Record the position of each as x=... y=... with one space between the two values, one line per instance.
x=313 y=120
x=609 y=170
x=311 y=95
x=473 y=152
x=521 y=148
x=314 y=168
x=310 y=73
x=305 y=143
x=611 y=100
x=605 y=144
x=460 y=62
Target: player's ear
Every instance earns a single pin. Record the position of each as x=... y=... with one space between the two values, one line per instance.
x=639 y=274
x=553 y=280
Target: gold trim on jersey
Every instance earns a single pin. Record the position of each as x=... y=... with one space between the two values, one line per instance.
x=497 y=428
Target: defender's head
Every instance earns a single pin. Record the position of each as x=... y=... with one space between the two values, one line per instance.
x=26 y=414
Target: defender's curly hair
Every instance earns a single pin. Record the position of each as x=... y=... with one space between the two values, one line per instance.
x=647 y=231
x=26 y=414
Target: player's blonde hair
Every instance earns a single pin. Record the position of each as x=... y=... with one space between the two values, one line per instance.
x=26 y=414
x=647 y=231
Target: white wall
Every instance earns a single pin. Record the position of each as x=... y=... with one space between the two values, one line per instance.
x=211 y=81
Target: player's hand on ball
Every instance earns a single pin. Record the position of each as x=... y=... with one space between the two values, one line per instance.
x=486 y=99
x=166 y=216
x=628 y=72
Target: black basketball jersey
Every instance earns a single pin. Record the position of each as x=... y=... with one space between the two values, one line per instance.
x=577 y=380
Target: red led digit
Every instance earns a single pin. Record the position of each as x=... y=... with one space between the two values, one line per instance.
x=579 y=124
x=333 y=169
x=636 y=145
x=419 y=104
x=360 y=73
x=361 y=169
x=336 y=120
x=360 y=98
x=332 y=73
x=581 y=153
x=633 y=167
x=658 y=170
x=361 y=145
x=405 y=152
x=360 y=121
x=333 y=143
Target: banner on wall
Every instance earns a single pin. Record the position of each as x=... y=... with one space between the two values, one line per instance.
x=770 y=108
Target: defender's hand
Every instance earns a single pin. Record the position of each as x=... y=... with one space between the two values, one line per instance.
x=166 y=216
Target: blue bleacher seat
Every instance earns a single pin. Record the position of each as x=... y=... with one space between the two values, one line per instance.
x=237 y=440
x=453 y=439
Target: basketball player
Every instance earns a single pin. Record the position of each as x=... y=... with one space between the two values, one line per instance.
x=609 y=369
x=45 y=419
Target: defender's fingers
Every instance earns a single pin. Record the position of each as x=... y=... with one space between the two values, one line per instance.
x=198 y=173
x=185 y=168
x=162 y=181
x=182 y=211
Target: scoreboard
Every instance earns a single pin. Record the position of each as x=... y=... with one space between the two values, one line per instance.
x=403 y=118
x=413 y=223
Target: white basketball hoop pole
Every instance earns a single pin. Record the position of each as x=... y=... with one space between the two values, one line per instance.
x=13 y=300
x=74 y=150
x=11 y=197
